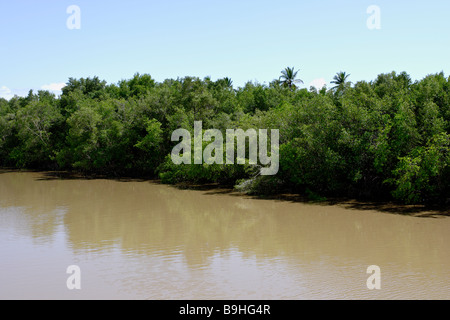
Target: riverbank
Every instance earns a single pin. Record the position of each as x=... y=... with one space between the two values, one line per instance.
x=383 y=206
x=392 y=207
x=386 y=138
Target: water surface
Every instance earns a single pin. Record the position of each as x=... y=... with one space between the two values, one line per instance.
x=143 y=240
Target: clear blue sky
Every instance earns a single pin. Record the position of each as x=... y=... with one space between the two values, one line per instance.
x=246 y=40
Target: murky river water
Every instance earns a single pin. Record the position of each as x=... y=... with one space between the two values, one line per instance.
x=142 y=240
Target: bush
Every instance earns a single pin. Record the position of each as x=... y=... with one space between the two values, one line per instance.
x=424 y=175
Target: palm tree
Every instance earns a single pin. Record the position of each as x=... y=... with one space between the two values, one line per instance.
x=288 y=75
x=340 y=79
x=228 y=82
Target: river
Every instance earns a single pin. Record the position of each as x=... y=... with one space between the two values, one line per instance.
x=142 y=240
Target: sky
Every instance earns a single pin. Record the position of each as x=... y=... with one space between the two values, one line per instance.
x=43 y=44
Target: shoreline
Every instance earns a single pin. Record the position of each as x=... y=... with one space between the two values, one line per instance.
x=383 y=206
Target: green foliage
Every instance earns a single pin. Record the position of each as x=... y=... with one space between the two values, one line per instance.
x=170 y=173
x=83 y=137
x=33 y=127
x=288 y=78
x=151 y=145
x=260 y=185
x=384 y=138
x=425 y=173
x=153 y=139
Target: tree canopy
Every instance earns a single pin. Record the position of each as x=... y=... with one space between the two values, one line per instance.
x=288 y=78
x=384 y=139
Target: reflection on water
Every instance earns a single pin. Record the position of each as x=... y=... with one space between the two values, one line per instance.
x=142 y=240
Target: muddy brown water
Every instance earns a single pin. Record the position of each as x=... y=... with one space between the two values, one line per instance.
x=144 y=240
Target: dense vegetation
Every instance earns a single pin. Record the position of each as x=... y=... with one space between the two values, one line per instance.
x=386 y=138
